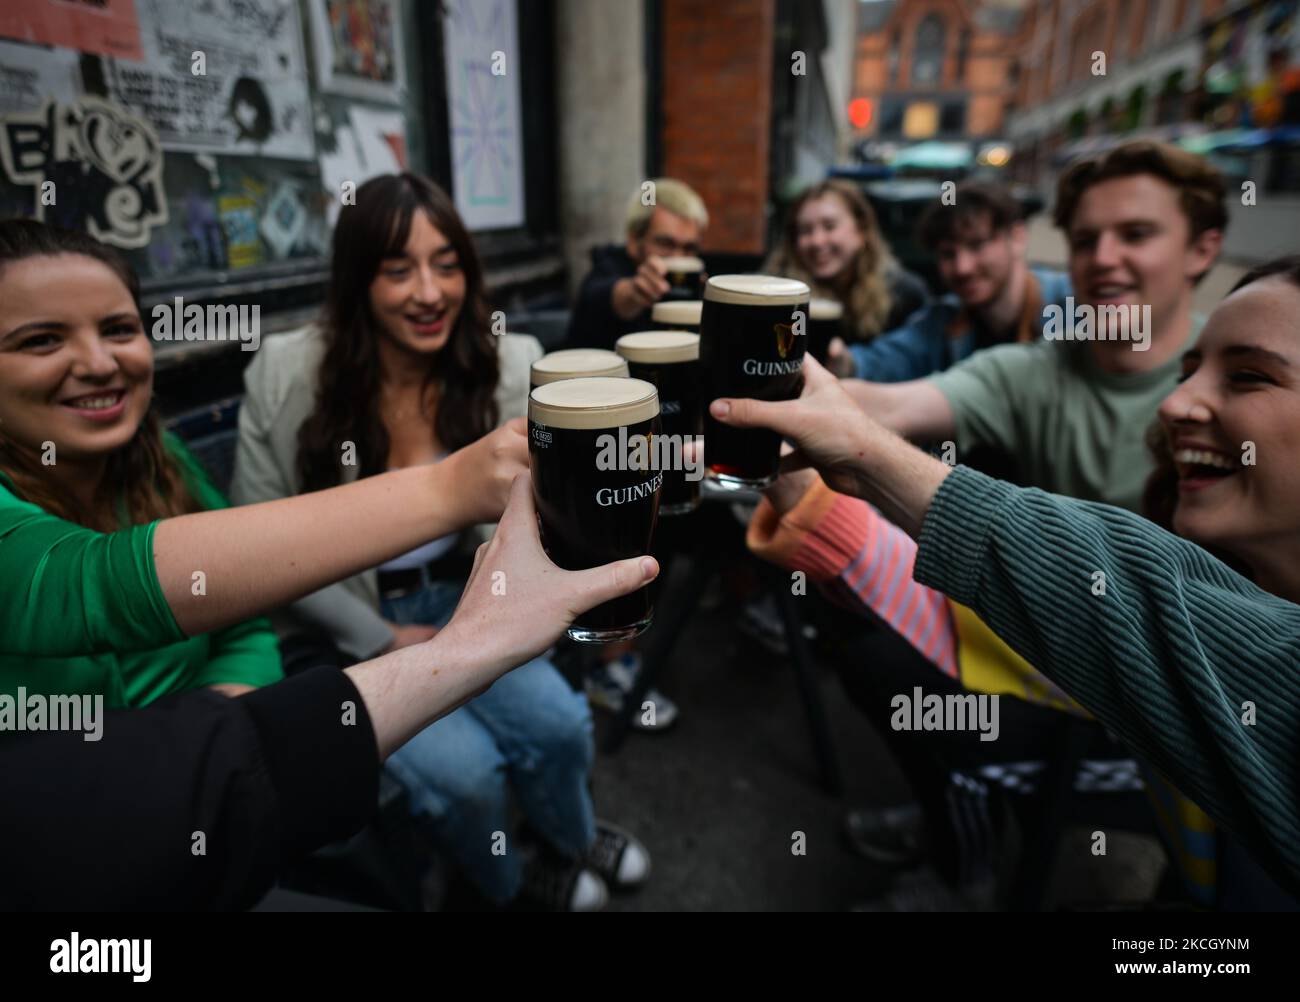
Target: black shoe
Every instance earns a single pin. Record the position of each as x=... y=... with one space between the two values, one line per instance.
x=560 y=886
x=620 y=858
x=892 y=836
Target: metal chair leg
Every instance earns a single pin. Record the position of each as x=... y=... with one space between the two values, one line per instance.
x=814 y=710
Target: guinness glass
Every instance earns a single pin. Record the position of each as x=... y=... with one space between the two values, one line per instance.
x=677 y=314
x=575 y=363
x=685 y=275
x=670 y=360
x=825 y=321
x=596 y=492
x=748 y=348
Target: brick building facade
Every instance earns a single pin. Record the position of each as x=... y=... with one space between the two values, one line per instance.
x=937 y=68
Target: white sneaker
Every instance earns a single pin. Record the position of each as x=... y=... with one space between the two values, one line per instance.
x=619 y=856
x=608 y=685
x=560 y=886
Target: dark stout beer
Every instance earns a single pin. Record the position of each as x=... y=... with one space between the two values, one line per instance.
x=825 y=321
x=749 y=347
x=677 y=314
x=685 y=275
x=670 y=360
x=575 y=363
x=590 y=513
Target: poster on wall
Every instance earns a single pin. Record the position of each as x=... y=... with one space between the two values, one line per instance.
x=221 y=76
x=370 y=143
x=358 y=45
x=31 y=75
x=487 y=157
x=103 y=27
x=91 y=166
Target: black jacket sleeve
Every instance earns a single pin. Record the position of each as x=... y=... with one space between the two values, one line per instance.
x=909 y=294
x=190 y=803
x=594 y=324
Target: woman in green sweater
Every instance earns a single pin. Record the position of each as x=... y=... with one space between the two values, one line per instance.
x=122 y=572
x=1188 y=660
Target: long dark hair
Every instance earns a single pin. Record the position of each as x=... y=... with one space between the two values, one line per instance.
x=1160 y=495
x=349 y=380
x=142 y=480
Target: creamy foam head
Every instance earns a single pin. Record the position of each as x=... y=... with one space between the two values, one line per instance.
x=756 y=290
x=650 y=347
x=678 y=312
x=593 y=403
x=825 y=309
x=683 y=262
x=574 y=363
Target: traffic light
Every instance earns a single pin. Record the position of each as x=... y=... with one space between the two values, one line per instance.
x=860 y=111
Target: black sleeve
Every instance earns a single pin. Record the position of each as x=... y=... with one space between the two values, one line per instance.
x=909 y=294
x=594 y=324
x=115 y=824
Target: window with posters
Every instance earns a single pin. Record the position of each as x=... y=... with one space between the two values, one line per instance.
x=210 y=140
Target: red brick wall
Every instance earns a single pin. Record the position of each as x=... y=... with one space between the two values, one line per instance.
x=717 y=115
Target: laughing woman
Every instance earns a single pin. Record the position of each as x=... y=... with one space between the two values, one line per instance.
x=404 y=369
x=1184 y=650
x=107 y=523
x=833 y=242
x=1181 y=643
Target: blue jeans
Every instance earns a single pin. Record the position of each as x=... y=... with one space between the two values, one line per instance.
x=530 y=731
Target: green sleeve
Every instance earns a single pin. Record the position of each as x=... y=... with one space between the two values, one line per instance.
x=68 y=591
x=1187 y=661
x=246 y=653
x=989 y=393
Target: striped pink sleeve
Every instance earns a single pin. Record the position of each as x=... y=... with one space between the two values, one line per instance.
x=862 y=560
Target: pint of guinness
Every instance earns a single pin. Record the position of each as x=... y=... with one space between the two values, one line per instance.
x=825 y=321
x=749 y=347
x=685 y=275
x=677 y=314
x=670 y=360
x=574 y=363
x=590 y=450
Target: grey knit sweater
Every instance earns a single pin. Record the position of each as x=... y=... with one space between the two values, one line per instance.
x=1176 y=654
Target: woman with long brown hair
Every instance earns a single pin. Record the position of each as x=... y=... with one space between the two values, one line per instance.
x=403 y=369
x=832 y=241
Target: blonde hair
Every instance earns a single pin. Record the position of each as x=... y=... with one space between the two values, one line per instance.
x=676 y=196
x=867 y=301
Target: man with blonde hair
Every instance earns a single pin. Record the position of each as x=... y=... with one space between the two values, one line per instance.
x=664 y=218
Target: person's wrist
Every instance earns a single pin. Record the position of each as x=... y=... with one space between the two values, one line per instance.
x=448 y=504
x=451 y=670
x=867 y=441
x=790 y=489
x=621 y=298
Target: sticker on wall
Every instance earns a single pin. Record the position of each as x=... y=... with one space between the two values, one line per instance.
x=105 y=27
x=220 y=76
x=91 y=165
x=284 y=220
